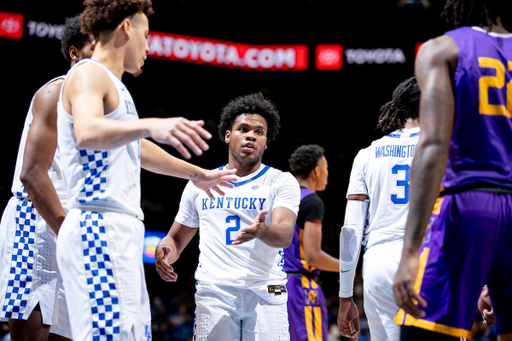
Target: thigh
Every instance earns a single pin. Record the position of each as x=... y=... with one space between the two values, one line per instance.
x=307 y=313
x=380 y=265
x=104 y=289
x=500 y=276
x=455 y=258
x=263 y=321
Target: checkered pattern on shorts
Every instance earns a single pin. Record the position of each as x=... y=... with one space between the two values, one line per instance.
x=103 y=295
x=94 y=164
x=22 y=262
x=22 y=193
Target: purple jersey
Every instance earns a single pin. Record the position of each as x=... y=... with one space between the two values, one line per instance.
x=294 y=255
x=481 y=145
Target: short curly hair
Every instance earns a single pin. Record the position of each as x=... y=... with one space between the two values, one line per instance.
x=305 y=158
x=104 y=15
x=250 y=104
x=71 y=36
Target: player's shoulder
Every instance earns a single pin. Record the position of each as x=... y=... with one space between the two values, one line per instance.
x=88 y=72
x=312 y=199
x=278 y=175
x=49 y=93
x=437 y=51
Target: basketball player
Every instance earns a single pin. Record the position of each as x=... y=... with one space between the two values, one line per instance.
x=380 y=176
x=102 y=148
x=241 y=292
x=31 y=293
x=455 y=244
x=304 y=258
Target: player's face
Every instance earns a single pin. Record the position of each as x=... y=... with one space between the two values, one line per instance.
x=248 y=138
x=138 y=47
x=323 y=173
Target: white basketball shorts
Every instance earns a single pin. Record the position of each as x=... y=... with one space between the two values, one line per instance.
x=100 y=258
x=229 y=314
x=380 y=264
x=28 y=268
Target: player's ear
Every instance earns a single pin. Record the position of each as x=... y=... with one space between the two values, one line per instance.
x=126 y=26
x=227 y=136
x=74 y=53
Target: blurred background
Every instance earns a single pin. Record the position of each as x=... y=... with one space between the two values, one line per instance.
x=328 y=66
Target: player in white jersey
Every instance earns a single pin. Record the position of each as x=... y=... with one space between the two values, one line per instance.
x=102 y=146
x=241 y=291
x=380 y=176
x=31 y=292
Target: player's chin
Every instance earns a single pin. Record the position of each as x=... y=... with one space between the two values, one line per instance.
x=137 y=73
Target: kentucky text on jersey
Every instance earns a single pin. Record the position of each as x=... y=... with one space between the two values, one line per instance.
x=395 y=150
x=236 y=203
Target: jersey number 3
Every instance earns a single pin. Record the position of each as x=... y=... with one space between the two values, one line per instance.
x=231 y=229
x=401 y=183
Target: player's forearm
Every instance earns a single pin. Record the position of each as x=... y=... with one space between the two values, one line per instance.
x=42 y=193
x=99 y=133
x=277 y=235
x=426 y=174
x=323 y=261
x=157 y=160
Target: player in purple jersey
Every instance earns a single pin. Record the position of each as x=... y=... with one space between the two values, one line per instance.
x=465 y=146
x=304 y=258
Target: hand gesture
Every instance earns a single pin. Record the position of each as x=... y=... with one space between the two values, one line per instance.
x=403 y=287
x=253 y=231
x=164 y=269
x=485 y=307
x=213 y=179
x=347 y=314
x=177 y=131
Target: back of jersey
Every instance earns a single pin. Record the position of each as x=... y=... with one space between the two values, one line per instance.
x=381 y=171
x=481 y=144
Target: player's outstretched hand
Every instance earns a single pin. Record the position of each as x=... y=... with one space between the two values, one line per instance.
x=485 y=307
x=348 y=318
x=180 y=132
x=211 y=180
x=164 y=269
x=403 y=287
x=253 y=231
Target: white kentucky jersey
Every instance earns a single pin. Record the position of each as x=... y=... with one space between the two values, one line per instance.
x=54 y=172
x=101 y=180
x=253 y=263
x=381 y=171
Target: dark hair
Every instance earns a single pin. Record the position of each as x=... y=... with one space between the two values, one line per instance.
x=104 y=15
x=477 y=12
x=250 y=104
x=71 y=36
x=405 y=104
x=305 y=158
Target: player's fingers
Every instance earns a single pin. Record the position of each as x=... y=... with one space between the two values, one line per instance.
x=179 y=147
x=209 y=193
x=189 y=142
x=194 y=135
x=226 y=184
x=198 y=127
x=218 y=190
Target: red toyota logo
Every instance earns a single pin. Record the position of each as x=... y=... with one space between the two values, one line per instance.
x=329 y=57
x=11 y=25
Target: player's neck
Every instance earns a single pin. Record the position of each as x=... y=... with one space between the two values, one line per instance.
x=412 y=123
x=308 y=182
x=497 y=27
x=243 y=169
x=110 y=56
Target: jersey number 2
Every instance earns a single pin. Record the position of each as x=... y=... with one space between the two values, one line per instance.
x=401 y=183
x=235 y=228
x=498 y=82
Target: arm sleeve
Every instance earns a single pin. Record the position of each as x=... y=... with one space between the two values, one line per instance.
x=357 y=184
x=187 y=214
x=350 y=244
x=287 y=192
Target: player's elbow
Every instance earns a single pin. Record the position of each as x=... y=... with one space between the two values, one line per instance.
x=29 y=176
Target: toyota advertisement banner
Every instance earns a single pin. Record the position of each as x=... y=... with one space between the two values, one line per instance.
x=228 y=54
